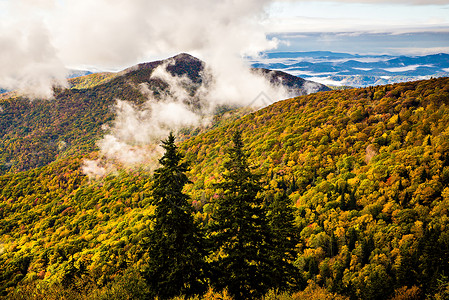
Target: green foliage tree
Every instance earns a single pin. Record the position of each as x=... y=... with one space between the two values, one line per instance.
x=240 y=230
x=176 y=256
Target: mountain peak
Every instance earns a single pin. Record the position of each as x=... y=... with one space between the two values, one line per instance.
x=184 y=57
x=184 y=64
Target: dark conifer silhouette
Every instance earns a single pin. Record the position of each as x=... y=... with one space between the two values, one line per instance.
x=240 y=231
x=285 y=236
x=176 y=255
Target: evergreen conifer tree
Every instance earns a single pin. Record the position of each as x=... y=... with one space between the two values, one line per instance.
x=284 y=239
x=176 y=255
x=239 y=230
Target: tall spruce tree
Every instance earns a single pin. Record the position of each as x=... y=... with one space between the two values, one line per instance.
x=284 y=238
x=240 y=231
x=176 y=256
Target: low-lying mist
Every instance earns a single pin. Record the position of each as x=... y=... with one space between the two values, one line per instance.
x=133 y=138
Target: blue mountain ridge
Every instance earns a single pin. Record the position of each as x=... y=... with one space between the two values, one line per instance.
x=354 y=69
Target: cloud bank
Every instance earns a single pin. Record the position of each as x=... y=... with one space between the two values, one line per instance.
x=406 y=2
x=29 y=62
x=113 y=33
x=40 y=38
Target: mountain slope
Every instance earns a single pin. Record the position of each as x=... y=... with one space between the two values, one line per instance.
x=367 y=170
x=296 y=86
x=36 y=133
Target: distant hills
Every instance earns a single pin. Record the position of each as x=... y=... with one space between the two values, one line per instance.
x=77 y=73
x=355 y=70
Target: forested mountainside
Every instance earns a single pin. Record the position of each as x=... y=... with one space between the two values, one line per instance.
x=366 y=172
x=35 y=133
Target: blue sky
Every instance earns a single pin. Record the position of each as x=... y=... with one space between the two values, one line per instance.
x=411 y=43
x=319 y=16
x=394 y=27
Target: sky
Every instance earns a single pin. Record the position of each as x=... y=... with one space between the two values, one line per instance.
x=40 y=39
x=364 y=27
x=343 y=16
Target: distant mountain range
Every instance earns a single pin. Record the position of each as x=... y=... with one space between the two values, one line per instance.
x=77 y=73
x=341 y=69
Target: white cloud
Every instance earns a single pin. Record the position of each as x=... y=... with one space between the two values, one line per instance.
x=406 y=68
x=116 y=34
x=41 y=37
x=327 y=81
x=93 y=169
x=121 y=32
x=352 y=16
x=308 y=73
x=405 y=2
x=29 y=62
x=363 y=69
x=420 y=51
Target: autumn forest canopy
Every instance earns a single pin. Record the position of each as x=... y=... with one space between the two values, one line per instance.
x=338 y=194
